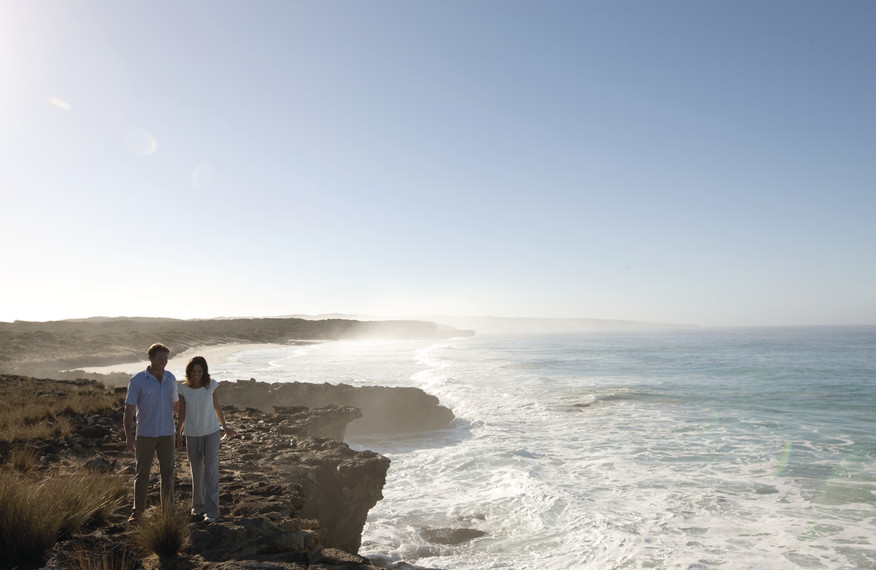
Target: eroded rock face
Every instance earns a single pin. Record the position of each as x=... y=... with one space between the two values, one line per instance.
x=384 y=409
x=336 y=485
x=288 y=499
x=328 y=422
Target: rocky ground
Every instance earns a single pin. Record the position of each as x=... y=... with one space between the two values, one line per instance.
x=289 y=499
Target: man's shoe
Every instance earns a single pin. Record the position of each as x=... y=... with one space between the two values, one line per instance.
x=208 y=519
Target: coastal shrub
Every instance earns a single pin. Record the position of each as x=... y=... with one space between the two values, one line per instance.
x=34 y=513
x=164 y=532
x=22 y=425
x=22 y=457
x=87 y=497
x=31 y=410
x=84 y=557
x=28 y=527
x=88 y=400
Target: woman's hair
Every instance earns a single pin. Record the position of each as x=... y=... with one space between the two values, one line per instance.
x=197 y=361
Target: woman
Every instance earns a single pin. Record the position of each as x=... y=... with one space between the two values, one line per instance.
x=200 y=416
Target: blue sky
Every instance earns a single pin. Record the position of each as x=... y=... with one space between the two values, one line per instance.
x=688 y=162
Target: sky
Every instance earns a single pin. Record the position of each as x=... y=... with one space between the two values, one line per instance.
x=709 y=163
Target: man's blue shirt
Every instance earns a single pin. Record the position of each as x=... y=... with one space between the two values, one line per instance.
x=154 y=401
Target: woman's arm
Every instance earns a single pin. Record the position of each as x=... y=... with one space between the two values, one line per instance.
x=181 y=420
x=221 y=417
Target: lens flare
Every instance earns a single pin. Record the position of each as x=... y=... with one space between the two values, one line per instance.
x=784 y=460
x=202 y=177
x=59 y=103
x=141 y=142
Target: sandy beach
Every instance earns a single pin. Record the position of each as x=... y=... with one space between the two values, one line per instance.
x=216 y=355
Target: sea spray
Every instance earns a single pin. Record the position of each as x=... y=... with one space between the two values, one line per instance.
x=742 y=448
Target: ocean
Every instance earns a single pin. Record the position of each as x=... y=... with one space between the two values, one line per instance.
x=695 y=449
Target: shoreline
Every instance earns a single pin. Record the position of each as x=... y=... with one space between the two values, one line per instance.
x=216 y=355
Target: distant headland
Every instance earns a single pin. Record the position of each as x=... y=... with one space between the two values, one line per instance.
x=487 y=323
x=56 y=348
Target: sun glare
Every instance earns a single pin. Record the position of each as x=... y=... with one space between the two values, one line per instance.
x=59 y=103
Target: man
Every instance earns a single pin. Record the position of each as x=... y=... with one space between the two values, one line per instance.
x=152 y=396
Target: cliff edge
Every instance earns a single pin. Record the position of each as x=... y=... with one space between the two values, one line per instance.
x=292 y=494
x=384 y=409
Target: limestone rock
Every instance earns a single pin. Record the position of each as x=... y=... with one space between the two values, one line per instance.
x=328 y=422
x=451 y=535
x=336 y=485
x=288 y=500
x=384 y=409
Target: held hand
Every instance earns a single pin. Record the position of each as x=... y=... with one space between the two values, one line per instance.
x=230 y=433
x=130 y=443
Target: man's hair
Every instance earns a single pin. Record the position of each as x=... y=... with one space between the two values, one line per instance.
x=157 y=347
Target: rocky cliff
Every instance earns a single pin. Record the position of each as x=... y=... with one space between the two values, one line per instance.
x=307 y=492
x=293 y=495
x=383 y=409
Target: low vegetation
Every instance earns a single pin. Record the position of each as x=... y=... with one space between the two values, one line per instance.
x=31 y=411
x=39 y=506
x=43 y=503
x=88 y=557
x=36 y=512
x=164 y=531
x=23 y=457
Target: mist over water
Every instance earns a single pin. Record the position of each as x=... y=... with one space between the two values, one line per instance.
x=736 y=448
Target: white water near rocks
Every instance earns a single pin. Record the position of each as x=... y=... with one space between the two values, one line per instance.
x=733 y=448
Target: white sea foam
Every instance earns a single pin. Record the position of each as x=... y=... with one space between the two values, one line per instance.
x=669 y=450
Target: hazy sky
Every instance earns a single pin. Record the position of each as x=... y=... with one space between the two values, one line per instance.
x=672 y=161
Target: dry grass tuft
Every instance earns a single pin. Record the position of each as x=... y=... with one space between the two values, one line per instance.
x=35 y=514
x=35 y=411
x=87 y=497
x=116 y=558
x=23 y=457
x=165 y=532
